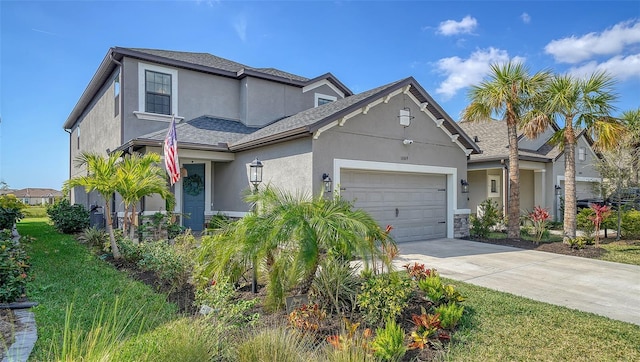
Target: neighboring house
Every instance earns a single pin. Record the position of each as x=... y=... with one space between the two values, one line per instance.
x=392 y=149
x=541 y=168
x=35 y=196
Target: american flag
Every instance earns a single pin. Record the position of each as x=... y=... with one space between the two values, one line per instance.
x=171 y=153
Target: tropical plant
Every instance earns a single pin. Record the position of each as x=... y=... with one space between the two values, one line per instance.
x=68 y=218
x=488 y=217
x=450 y=314
x=93 y=236
x=307 y=318
x=138 y=176
x=584 y=223
x=289 y=235
x=14 y=269
x=631 y=120
x=508 y=93
x=578 y=105
x=539 y=217
x=384 y=297
x=426 y=327
x=388 y=344
x=600 y=214
x=101 y=177
x=336 y=286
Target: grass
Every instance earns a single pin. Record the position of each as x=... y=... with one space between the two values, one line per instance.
x=67 y=273
x=623 y=251
x=495 y=326
x=35 y=212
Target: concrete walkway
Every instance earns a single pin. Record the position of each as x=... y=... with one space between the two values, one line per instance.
x=604 y=288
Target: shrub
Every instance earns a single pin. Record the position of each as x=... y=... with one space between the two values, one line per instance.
x=437 y=292
x=130 y=251
x=14 y=269
x=578 y=243
x=384 y=296
x=487 y=218
x=94 y=237
x=450 y=314
x=426 y=327
x=168 y=264
x=584 y=223
x=159 y=226
x=335 y=286
x=307 y=318
x=218 y=302
x=418 y=271
x=630 y=225
x=10 y=211
x=388 y=344
x=68 y=218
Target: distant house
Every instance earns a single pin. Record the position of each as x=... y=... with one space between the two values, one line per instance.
x=392 y=149
x=35 y=196
x=541 y=168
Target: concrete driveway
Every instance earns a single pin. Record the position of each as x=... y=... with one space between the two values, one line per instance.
x=604 y=288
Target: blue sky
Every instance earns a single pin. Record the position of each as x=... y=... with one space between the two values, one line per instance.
x=49 y=50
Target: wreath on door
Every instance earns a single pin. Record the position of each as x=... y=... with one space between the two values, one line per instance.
x=193 y=185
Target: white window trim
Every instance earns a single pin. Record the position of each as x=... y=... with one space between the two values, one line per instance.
x=495 y=178
x=582 y=154
x=317 y=96
x=141 y=113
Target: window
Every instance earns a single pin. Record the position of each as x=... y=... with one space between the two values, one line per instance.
x=582 y=154
x=116 y=95
x=78 y=135
x=321 y=99
x=493 y=186
x=157 y=92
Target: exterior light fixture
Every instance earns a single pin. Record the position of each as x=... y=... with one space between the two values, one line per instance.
x=326 y=179
x=255 y=173
x=558 y=188
x=405 y=117
x=255 y=177
x=184 y=172
x=465 y=186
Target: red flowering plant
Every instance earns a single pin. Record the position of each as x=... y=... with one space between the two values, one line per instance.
x=539 y=216
x=601 y=212
x=14 y=270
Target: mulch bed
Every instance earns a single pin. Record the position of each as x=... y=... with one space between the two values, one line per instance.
x=558 y=247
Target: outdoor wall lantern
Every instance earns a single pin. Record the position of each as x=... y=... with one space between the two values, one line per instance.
x=184 y=172
x=405 y=117
x=255 y=173
x=465 y=186
x=558 y=188
x=255 y=176
x=326 y=179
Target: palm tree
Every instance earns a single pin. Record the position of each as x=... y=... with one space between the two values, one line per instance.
x=631 y=120
x=138 y=176
x=290 y=234
x=101 y=177
x=582 y=105
x=507 y=94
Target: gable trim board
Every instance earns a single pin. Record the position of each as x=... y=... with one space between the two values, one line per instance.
x=451 y=174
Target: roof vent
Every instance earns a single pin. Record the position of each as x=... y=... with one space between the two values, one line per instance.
x=475 y=139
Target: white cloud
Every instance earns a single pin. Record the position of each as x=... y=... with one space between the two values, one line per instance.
x=452 y=27
x=609 y=42
x=240 y=26
x=621 y=67
x=526 y=18
x=462 y=73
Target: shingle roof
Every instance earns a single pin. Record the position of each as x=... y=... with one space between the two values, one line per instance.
x=36 y=192
x=309 y=117
x=205 y=130
x=493 y=141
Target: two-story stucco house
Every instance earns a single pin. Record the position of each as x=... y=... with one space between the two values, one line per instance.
x=392 y=149
x=542 y=166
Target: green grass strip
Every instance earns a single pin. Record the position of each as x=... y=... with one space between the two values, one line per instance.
x=68 y=273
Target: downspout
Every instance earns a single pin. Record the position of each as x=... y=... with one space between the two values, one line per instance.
x=505 y=187
x=69 y=132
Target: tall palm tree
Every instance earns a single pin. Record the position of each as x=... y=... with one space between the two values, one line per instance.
x=508 y=94
x=290 y=234
x=578 y=105
x=138 y=176
x=101 y=177
x=631 y=120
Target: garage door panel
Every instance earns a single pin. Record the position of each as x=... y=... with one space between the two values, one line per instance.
x=420 y=201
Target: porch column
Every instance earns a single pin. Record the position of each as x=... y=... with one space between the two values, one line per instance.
x=539 y=188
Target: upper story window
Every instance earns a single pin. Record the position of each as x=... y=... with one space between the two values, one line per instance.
x=321 y=99
x=116 y=95
x=582 y=154
x=157 y=92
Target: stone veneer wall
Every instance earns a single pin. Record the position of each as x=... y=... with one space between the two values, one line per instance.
x=461 y=226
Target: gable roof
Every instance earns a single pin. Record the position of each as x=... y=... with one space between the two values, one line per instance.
x=315 y=119
x=201 y=62
x=494 y=143
x=35 y=192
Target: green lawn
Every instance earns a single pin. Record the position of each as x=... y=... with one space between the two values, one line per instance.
x=623 y=251
x=496 y=326
x=66 y=272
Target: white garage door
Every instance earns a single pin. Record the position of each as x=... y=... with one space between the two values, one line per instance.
x=584 y=189
x=414 y=204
